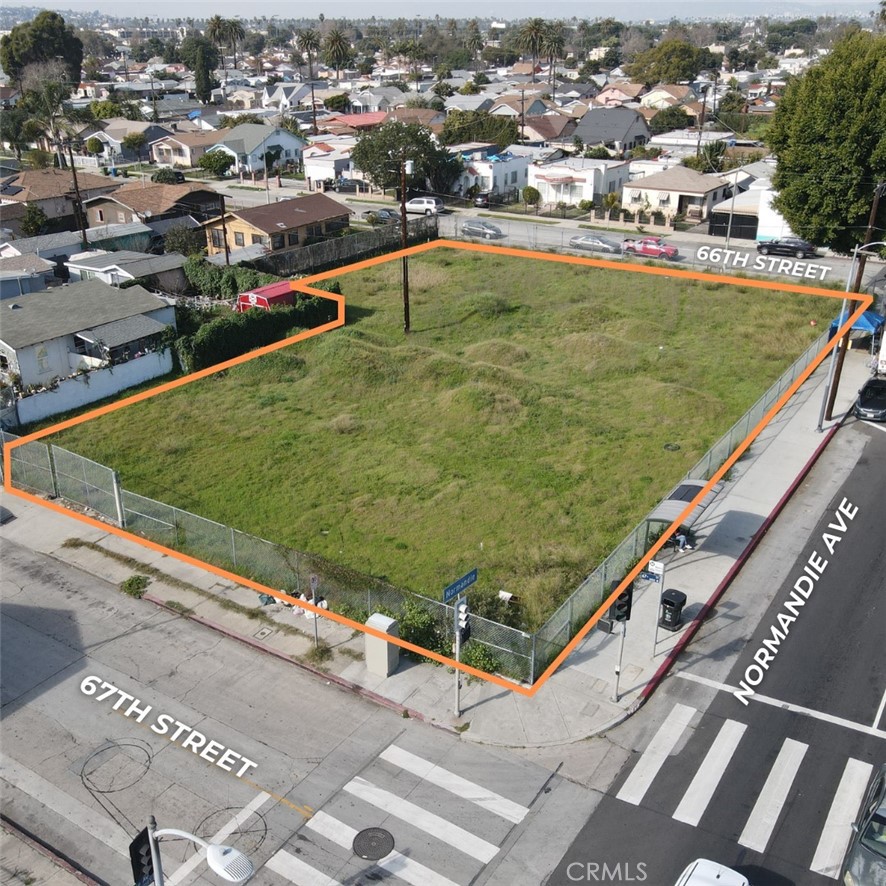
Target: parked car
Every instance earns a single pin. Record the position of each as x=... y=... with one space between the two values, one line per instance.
x=703 y=872
x=594 y=243
x=865 y=860
x=425 y=205
x=787 y=246
x=871 y=402
x=485 y=199
x=381 y=216
x=348 y=184
x=479 y=228
x=653 y=247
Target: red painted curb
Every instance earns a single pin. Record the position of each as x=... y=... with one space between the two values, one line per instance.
x=736 y=567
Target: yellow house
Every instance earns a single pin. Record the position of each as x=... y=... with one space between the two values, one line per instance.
x=278 y=227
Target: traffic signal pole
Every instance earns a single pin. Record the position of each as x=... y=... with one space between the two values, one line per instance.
x=621 y=652
x=155 y=852
x=461 y=625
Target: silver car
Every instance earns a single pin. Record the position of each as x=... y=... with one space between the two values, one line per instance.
x=865 y=862
x=478 y=228
x=595 y=243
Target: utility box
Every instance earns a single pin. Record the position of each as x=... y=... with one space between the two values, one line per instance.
x=671 y=615
x=382 y=658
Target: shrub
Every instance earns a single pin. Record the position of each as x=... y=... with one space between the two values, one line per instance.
x=480 y=656
x=135 y=585
x=419 y=626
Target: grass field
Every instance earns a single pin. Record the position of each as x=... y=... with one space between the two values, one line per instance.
x=520 y=428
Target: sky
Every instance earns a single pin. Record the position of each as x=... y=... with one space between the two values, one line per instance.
x=499 y=9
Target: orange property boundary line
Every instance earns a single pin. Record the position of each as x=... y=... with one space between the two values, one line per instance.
x=305 y=287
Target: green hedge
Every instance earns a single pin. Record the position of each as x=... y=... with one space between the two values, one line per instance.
x=224 y=282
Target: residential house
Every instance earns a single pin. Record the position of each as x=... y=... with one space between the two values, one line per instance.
x=620 y=93
x=285 y=96
x=480 y=102
x=492 y=171
x=62 y=340
x=249 y=142
x=349 y=124
x=183 y=149
x=112 y=133
x=9 y=96
x=328 y=159
x=20 y=274
x=245 y=98
x=617 y=129
x=379 y=98
x=575 y=91
x=667 y=95
x=52 y=190
x=547 y=128
x=58 y=248
x=686 y=142
x=429 y=118
x=676 y=190
x=164 y=272
x=571 y=180
x=528 y=105
x=150 y=202
x=279 y=227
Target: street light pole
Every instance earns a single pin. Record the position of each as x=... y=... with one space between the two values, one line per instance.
x=404 y=243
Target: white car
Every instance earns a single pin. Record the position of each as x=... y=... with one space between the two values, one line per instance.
x=425 y=205
x=703 y=872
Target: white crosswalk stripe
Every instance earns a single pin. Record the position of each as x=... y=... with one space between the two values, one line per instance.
x=405 y=868
x=663 y=742
x=699 y=794
x=296 y=871
x=838 y=826
x=771 y=799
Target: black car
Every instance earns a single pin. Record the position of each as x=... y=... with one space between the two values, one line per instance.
x=787 y=246
x=348 y=184
x=381 y=216
x=871 y=402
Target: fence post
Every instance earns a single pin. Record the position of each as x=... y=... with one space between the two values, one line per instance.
x=532 y=660
x=50 y=455
x=118 y=499
x=233 y=549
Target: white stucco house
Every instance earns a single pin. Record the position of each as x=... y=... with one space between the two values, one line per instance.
x=249 y=142
x=574 y=179
x=676 y=190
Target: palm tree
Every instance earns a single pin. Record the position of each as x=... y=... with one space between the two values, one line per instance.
x=234 y=32
x=336 y=50
x=529 y=39
x=474 y=41
x=553 y=42
x=308 y=42
x=217 y=32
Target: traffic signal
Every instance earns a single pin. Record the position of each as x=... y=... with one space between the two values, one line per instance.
x=462 y=621
x=620 y=610
x=142 y=862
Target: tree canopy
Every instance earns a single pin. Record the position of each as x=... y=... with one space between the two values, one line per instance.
x=670 y=62
x=829 y=134
x=379 y=151
x=479 y=126
x=43 y=39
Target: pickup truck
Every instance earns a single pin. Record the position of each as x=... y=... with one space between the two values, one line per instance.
x=653 y=247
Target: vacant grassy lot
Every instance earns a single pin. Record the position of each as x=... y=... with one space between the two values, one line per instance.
x=520 y=428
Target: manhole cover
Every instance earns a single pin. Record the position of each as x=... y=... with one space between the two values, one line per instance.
x=373 y=844
x=672 y=447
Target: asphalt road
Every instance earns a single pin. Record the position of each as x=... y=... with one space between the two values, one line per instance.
x=298 y=766
x=768 y=788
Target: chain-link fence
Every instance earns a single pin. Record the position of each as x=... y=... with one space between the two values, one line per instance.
x=517 y=654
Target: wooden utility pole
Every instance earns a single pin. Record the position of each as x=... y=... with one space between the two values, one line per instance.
x=404 y=243
x=78 y=204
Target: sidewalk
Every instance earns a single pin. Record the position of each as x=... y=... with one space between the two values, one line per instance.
x=577 y=701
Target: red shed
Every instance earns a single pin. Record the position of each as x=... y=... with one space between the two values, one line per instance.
x=266 y=297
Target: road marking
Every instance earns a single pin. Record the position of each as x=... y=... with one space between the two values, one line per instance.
x=455 y=784
x=420 y=818
x=702 y=788
x=405 y=868
x=663 y=742
x=764 y=815
x=70 y=808
x=225 y=831
x=787 y=706
x=879 y=711
x=296 y=871
x=838 y=826
x=873 y=424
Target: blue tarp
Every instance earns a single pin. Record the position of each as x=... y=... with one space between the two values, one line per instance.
x=869 y=321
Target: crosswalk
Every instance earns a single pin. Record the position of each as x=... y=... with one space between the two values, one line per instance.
x=446 y=826
x=779 y=784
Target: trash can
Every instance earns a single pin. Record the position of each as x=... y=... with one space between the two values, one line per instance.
x=671 y=616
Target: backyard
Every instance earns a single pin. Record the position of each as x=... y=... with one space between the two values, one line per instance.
x=533 y=416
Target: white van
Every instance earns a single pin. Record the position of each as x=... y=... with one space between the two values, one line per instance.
x=425 y=205
x=703 y=872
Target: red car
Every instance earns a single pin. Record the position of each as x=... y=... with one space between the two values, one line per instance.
x=653 y=247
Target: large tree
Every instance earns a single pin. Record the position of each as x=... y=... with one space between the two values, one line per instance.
x=308 y=42
x=829 y=134
x=379 y=152
x=192 y=46
x=336 y=50
x=479 y=126
x=530 y=38
x=46 y=38
x=669 y=62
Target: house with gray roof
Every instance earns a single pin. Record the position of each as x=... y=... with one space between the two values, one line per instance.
x=618 y=129
x=676 y=190
x=249 y=142
x=82 y=342
x=164 y=272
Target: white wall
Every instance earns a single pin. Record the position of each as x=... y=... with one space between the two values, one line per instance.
x=75 y=392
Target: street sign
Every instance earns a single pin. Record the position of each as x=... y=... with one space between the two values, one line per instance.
x=458 y=586
x=650 y=576
x=656 y=567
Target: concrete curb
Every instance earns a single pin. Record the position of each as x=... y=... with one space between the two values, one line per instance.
x=61 y=861
x=736 y=567
x=334 y=679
